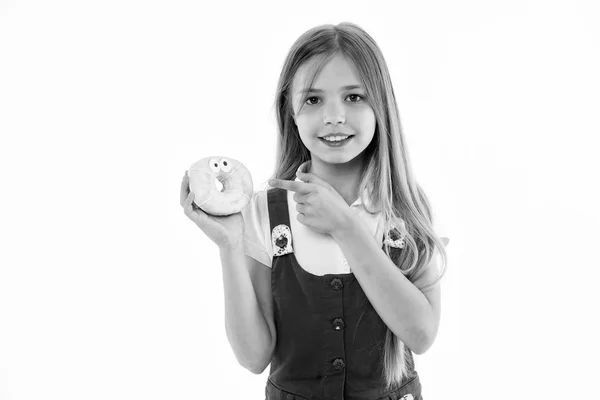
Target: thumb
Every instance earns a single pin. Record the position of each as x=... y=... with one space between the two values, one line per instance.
x=303 y=167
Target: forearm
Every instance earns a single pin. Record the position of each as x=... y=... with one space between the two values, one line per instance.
x=401 y=306
x=246 y=328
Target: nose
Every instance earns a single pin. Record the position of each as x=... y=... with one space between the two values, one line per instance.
x=334 y=113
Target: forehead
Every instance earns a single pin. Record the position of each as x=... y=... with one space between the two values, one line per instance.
x=337 y=72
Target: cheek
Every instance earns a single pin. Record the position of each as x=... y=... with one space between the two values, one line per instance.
x=307 y=123
x=367 y=120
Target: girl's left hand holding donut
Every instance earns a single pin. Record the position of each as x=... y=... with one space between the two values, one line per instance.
x=224 y=231
x=319 y=205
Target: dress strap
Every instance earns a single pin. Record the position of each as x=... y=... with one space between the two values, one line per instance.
x=278 y=207
x=279 y=221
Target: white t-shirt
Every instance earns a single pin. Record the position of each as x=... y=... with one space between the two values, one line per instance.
x=316 y=253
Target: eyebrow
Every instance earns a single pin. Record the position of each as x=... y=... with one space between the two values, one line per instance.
x=349 y=87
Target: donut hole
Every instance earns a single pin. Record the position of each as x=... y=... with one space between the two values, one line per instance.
x=219 y=185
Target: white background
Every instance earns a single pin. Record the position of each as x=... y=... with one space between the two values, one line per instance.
x=108 y=291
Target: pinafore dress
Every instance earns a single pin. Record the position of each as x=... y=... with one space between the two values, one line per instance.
x=329 y=337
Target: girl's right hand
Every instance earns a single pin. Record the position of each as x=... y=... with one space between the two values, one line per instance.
x=224 y=231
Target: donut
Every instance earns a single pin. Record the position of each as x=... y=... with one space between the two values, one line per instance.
x=233 y=175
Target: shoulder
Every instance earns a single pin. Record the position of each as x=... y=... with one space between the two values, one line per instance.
x=257 y=204
x=257 y=212
x=259 y=197
x=256 y=228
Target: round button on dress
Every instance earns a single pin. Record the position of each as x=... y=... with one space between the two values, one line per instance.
x=338 y=364
x=338 y=324
x=337 y=284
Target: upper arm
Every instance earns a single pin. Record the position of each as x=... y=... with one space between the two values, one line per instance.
x=260 y=275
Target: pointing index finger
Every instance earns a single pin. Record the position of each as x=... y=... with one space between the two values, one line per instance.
x=294 y=186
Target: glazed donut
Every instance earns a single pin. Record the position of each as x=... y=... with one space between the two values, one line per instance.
x=233 y=175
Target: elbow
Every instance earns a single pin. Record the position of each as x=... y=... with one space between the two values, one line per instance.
x=258 y=369
x=255 y=368
x=424 y=336
x=421 y=349
x=423 y=342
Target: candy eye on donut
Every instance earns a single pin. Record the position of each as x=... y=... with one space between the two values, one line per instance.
x=225 y=165
x=214 y=165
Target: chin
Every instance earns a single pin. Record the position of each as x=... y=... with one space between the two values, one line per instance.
x=336 y=158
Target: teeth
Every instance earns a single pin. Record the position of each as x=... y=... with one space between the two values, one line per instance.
x=335 y=138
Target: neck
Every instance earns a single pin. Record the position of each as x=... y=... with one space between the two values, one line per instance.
x=344 y=178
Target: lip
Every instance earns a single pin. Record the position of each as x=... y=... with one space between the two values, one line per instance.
x=336 y=144
x=336 y=134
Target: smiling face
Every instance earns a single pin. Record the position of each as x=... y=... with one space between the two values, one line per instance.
x=336 y=103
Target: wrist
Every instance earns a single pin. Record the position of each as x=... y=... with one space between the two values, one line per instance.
x=232 y=244
x=348 y=224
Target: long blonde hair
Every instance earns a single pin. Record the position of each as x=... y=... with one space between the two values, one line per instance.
x=387 y=177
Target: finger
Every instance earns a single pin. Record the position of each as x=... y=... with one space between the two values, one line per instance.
x=301 y=219
x=294 y=186
x=184 y=189
x=188 y=207
x=309 y=177
x=303 y=166
x=299 y=198
x=188 y=200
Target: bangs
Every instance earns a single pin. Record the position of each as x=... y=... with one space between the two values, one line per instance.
x=311 y=68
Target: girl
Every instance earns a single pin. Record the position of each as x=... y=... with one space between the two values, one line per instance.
x=332 y=274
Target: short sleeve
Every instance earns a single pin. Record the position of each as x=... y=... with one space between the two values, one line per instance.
x=257 y=228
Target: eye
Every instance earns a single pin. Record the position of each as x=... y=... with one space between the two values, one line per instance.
x=225 y=165
x=309 y=102
x=356 y=95
x=214 y=165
